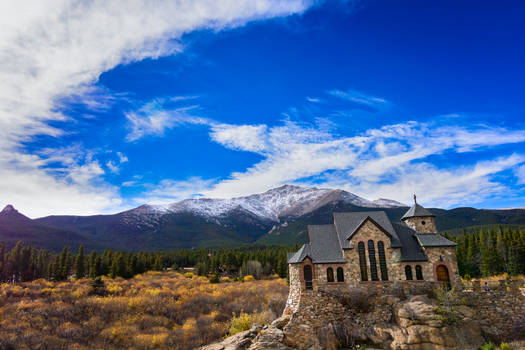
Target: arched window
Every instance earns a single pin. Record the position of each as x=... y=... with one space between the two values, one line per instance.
x=362 y=261
x=340 y=275
x=307 y=274
x=419 y=273
x=382 y=260
x=408 y=272
x=372 y=259
x=330 y=274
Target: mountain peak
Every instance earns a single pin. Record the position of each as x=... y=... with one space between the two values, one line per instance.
x=8 y=209
x=10 y=213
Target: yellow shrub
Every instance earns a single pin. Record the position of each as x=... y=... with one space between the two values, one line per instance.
x=248 y=278
x=154 y=311
x=245 y=321
x=81 y=292
x=225 y=279
x=190 y=324
x=119 y=335
x=188 y=275
x=153 y=292
x=114 y=289
x=148 y=341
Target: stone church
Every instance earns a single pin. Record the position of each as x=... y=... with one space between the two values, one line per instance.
x=366 y=247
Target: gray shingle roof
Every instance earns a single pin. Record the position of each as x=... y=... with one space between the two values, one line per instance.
x=300 y=255
x=410 y=248
x=415 y=211
x=347 y=224
x=326 y=242
x=434 y=240
x=322 y=247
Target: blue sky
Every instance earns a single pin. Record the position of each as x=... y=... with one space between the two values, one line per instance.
x=105 y=109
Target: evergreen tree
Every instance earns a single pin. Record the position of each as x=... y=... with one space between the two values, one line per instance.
x=63 y=265
x=157 y=266
x=91 y=264
x=80 y=269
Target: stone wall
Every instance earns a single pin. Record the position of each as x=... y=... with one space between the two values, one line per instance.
x=416 y=223
x=369 y=231
x=445 y=256
x=295 y=288
x=499 y=312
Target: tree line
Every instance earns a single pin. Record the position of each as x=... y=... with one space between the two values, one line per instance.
x=26 y=263
x=490 y=251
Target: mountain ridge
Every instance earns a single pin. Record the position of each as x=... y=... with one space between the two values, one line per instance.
x=277 y=216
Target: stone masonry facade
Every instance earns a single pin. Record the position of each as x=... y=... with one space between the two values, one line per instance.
x=411 y=251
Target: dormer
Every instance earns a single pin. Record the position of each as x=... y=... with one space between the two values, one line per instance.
x=419 y=219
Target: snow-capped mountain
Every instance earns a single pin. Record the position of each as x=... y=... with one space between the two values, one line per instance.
x=278 y=216
x=285 y=201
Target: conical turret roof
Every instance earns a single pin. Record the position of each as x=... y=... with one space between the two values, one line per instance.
x=416 y=211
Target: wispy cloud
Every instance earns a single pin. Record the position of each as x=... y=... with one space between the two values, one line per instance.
x=153 y=120
x=520 y=174
x=312 y=99
x=359 y=98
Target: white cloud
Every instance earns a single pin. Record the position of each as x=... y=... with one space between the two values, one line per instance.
x=436 y=187
x=73 y=187
x=113 y=167
x=52 y=51
x=169 y=191
x=122 y=157
x=243 y=137
x=520 y=174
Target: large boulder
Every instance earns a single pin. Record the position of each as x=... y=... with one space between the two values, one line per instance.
x=269 y=338
x=239 y=341
x=417 y=310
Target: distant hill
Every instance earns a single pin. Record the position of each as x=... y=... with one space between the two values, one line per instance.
x=278 y=216
x=15 y=227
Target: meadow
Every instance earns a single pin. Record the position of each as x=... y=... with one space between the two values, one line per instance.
x=154 y=310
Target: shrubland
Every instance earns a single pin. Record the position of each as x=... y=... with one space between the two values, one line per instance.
x=154 y=310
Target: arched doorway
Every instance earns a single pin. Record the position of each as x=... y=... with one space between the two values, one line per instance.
x=308 y=277
x=442 y=275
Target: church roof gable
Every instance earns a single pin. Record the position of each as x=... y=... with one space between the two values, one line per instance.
x=347 y=224
x=300 y=255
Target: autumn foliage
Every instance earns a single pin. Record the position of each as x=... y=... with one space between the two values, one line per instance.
x=155 y=310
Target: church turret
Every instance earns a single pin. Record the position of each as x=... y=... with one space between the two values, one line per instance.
x=420 y=219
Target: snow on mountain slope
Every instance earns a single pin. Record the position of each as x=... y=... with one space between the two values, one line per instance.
x=287 y=200
x=388 y=203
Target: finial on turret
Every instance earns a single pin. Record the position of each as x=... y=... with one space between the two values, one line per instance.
x=415 y=201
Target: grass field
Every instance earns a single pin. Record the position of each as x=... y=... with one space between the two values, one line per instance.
x=156 y=310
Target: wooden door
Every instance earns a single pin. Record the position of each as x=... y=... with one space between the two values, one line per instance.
x=442 y=275
x=308 y=276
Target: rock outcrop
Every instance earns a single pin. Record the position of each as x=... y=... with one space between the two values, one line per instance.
x=257 y=338
x=324 y=321
x=414 y=322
